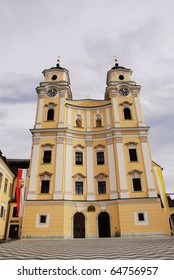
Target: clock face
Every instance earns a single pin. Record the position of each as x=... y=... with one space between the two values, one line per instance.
x=124 y=91
x=52 y=92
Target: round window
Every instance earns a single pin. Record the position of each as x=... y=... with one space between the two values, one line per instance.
x=121 y=77
x=54 y=77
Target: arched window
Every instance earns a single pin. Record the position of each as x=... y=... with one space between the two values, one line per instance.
x=50 y=114
x=127 y=114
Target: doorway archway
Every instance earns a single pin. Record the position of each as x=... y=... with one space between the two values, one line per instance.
x=79 y=225
x=104 y=229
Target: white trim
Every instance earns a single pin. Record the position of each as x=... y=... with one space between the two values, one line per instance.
x=90 y=173
x=88 y=121
x=112 y=172
x=116 y=116
x=33 y=173
x=122 y=171
x=69 y=117
x=58 y=176
x=42 y=225
x=39 y=113
x=141 y=223
x=61 y=112
x=138 y=111
x=149 y=170
x=68 y=172
x=108 y=121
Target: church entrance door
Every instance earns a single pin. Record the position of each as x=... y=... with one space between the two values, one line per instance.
x=104 y=225
x=79 y=225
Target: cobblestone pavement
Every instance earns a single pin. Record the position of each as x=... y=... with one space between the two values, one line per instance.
x=146 y=248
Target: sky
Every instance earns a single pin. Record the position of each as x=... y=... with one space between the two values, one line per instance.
x=87 y=35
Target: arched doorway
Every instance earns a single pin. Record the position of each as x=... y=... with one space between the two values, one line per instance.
x=104 y=229
x=171 y=222
x=79 y=225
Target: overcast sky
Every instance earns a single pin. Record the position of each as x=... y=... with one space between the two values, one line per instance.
x=87 y=35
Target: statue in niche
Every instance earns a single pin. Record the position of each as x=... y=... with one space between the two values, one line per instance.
x=98 y=122
x=79 y=122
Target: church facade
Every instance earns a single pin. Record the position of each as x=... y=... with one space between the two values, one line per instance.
x=91 y=173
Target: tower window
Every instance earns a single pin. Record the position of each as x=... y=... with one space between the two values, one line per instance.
x=137 y=184
x=14 y=212
x=50 y=115
x=121 y=77
x=45 y=186
x=54 y=77
x=101 y=187
x=133 y=155
x=127 y=114
x=47 y=157
x=1 y=175
x=100 y=158
x=78 y=187
x=79 y=158
x=5 y=185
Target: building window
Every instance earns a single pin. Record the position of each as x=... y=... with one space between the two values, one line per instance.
x=47 y=157
x=2 y=212
x=141 y=218
x=43 y=219
x=137 y=184
x=101 y=187
x=1 y=175
x=133 y=155
x=5 y=185
x=78 y=187
x=100 y=158
x=45 y=186
x=79 y=158
x=14 y=214
x=50 y=114
x=10 y=190
x=127 y=114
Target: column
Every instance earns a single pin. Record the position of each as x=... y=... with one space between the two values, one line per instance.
x=148 y=167
x=90 y=171
x=59 y=169
x=69 y=117
x=138 y=111
x=39 y=111
x=112 y=170
x=61 y=110
x=68 y=170
x=116 y=116
x=88 y=121
x=108 y=122
x=33 y=171
x=121 y=168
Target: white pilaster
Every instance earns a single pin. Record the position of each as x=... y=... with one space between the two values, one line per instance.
x=138 y=110
x=61 y=110
x=59 y=169
x=116 y=116
x=88 y=121
x=121 y=168
x=39 y=112
x=108 y=122
x=90 y=171
x=68 y=170
x=33 y=171
x=112 y=170
x=69 y=117
x=148 y=167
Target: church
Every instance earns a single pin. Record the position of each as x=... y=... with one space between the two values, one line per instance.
x=91 y=172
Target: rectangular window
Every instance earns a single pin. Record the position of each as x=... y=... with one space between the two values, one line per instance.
x=101 y=187
x=137 y=185
x=43 y=219
x=3 y=211
x=100 y=158
x=47 y=157
x=141 y=217
x=5 y=185
x=1 y=175
x=14 y=212
x=79 y=187
x=133 y=155
x=45 y=186
x=79 y=158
